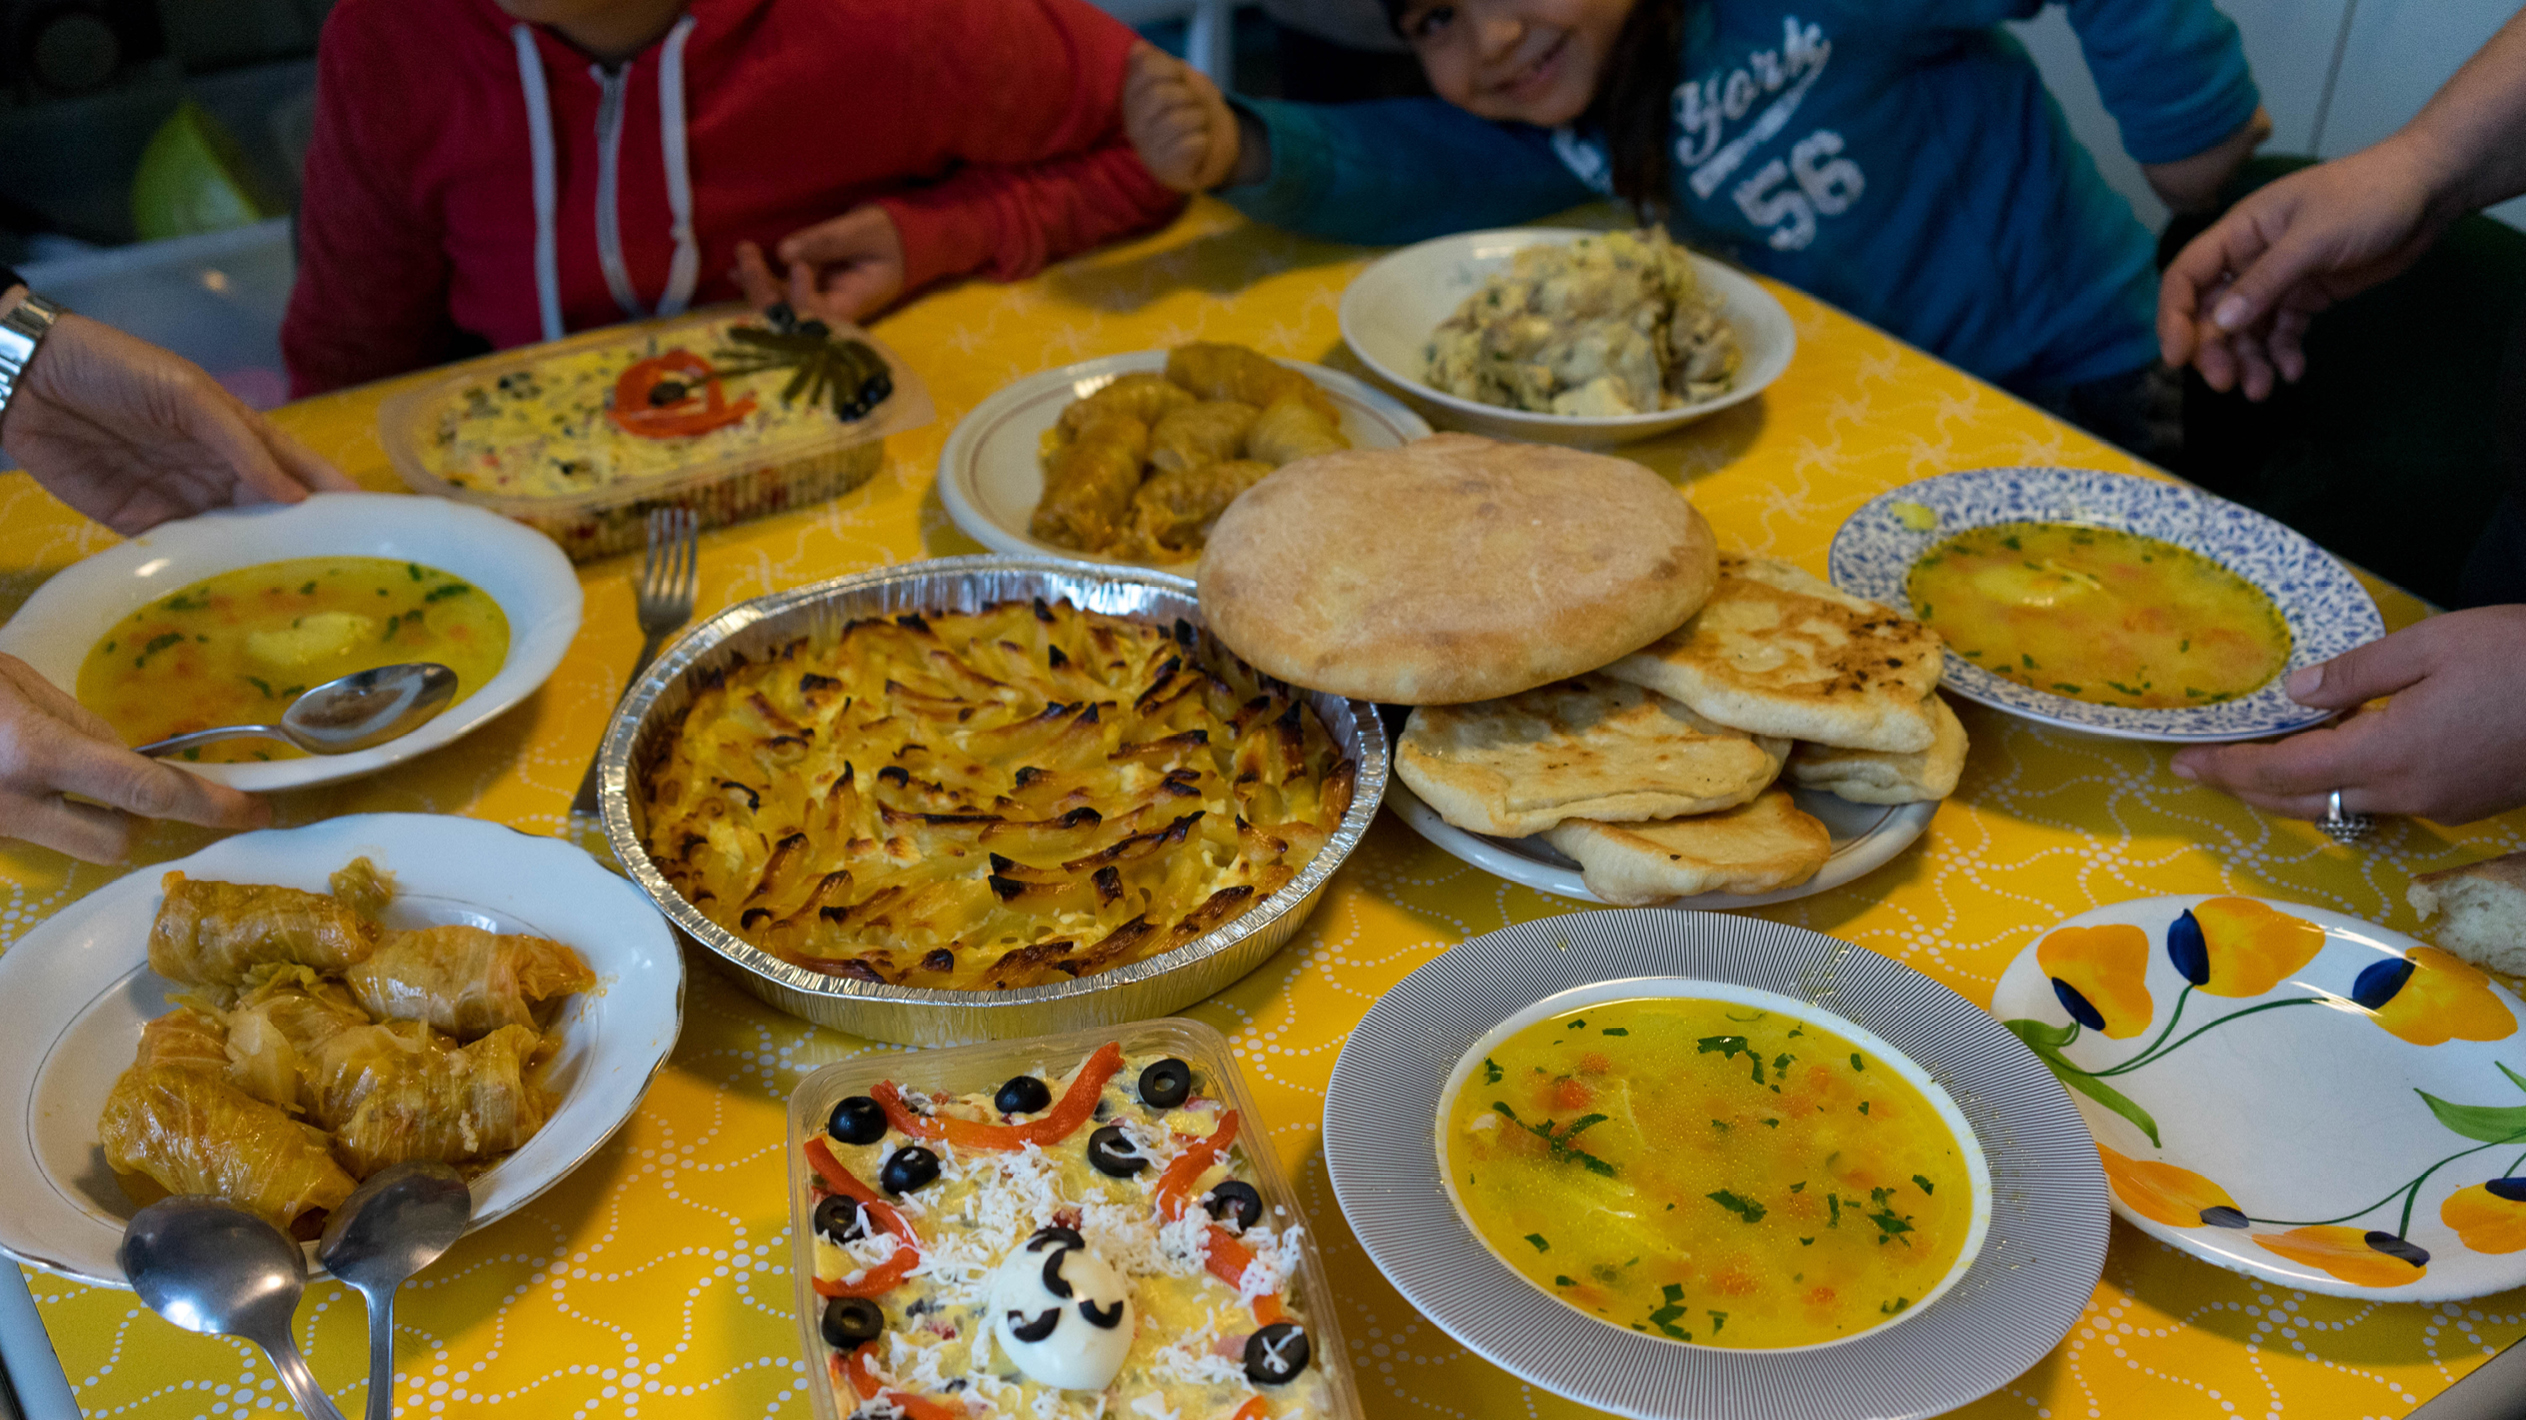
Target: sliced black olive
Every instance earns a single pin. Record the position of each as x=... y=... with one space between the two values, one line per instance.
x=857 y=1120
x=908 y=1168
x=1102 y=1318
x=1036 y=1330
x=1166 y=1084
x=1276 y=1354
x=1236 y=1203
x=1054 y=1282
x=848 y=1321
x=1055 y=1235
x=1023 y=1095
x=841 y=1219
x=666 y=392
x=781 y=317
x=1113 y=1154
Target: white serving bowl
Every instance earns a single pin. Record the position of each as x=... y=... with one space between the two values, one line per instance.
x=1389 y=310
x=516 y=566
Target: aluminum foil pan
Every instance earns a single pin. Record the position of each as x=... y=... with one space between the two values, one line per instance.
x=926 y=1016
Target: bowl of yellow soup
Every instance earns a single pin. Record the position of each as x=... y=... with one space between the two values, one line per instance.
x=1712 y=1164
x=225 y=618
x=2134 y=607
x=1688 y=1164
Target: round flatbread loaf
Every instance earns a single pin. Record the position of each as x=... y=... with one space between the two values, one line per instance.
x=1452 y=569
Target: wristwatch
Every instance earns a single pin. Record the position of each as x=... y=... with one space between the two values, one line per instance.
x=21 y=330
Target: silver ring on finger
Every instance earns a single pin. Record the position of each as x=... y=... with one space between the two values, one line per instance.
x=2342 y=826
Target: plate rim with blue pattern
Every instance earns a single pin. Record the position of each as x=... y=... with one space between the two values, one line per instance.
x=2327 y=611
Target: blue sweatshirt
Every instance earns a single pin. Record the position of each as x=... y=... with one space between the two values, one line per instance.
x=1899 y=158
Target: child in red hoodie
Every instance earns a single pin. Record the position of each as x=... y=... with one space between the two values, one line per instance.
x=508 y=172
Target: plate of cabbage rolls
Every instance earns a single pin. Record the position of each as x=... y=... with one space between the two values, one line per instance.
x=1132 y=458
x=282 y=1014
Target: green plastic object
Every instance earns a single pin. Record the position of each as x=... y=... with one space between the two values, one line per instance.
x=194 y=178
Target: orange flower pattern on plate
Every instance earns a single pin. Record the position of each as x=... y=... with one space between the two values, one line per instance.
x=2164 y=1193
x=2349 y=1254
x=2488 y=1217
x=2432 y=997
x=2248 y=947
x=2101 y=975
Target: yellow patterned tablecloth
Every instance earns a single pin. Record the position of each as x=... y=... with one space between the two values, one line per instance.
x=654 y=1281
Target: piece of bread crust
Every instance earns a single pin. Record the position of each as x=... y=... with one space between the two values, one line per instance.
x=1452 y=569
x=1874 y=776
x=1758 y=847
x=2481 y=911
x=1593 y=748
x=1776 y=651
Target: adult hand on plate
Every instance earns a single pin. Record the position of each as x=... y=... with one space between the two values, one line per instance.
x=838 y=270
x=132 y=435
x=2450 y=746
x=51 y=745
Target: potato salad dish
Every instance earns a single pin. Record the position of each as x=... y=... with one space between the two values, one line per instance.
x=1594 y=328
x=1079 y=1244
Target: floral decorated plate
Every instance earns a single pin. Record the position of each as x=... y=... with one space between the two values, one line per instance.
x=2324 y=606
x=2289 y=1092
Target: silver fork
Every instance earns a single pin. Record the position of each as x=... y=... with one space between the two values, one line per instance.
x=663 y=600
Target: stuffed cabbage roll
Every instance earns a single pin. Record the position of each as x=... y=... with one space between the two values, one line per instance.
x=403 y=1091
x=186 y=1036
x=1198 y=434
x=1176 y=510
x=363 y=887
x=466 y=981
x=1146 y=396
x=188 y=1130
x=1088 y=484
x=1234 y=372
x=213 y=934
x=1290 y=428
x=275 y=1027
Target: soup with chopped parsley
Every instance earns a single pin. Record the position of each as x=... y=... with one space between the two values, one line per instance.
x=237 y=648
x=2109 y=617
x=1709 y=1172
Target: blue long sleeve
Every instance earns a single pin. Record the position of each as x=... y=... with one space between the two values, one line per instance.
x=1401 y=170
x=2172 y=73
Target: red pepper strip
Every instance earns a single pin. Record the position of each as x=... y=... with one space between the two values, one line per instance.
x=680 y=418
x=1076 y=1104
x=1253 y=1409
x=885 y=1275
x=1227 y=1260
x=864 y=1382
x=1176 y=1184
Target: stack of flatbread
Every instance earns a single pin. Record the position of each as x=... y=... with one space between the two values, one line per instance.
x=1663 y=774
x=1586 y=666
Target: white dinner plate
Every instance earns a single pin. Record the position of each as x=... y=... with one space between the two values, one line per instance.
x=2299 y=1128
x=1865 y=838
x=520 y=568
x=78 y=988
x=2326 y=609
x=1390 y=310
x=991 y=472
x=2027 y=1285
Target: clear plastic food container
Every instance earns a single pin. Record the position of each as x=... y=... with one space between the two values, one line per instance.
x=1053 y=1059
x=543 y=433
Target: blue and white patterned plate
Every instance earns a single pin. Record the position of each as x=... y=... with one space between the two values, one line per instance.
x=2327 y=610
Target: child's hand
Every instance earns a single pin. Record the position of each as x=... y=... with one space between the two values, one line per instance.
x=841 y=270
x=1184 y=131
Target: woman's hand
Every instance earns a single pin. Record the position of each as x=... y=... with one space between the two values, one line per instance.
x=132 y=435
x=1183 y=129
x=840 y=270
x=51 y=745
x=2450 y=745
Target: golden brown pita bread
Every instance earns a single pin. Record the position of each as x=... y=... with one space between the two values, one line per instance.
x=1876 y=776
x=1774 y=651
x=1452 y=569
x=1763 y=846
x=1592 y=748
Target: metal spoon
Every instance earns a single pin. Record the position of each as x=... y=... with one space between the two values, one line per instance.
x=389 y=1228
x=214 y=1268
x=361 y=709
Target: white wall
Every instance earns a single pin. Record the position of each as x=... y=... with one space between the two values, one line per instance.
x=2337 y=75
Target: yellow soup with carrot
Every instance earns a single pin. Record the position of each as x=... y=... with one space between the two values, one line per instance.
x=237 y=648
x=2108 y=617
x=1709 y=1172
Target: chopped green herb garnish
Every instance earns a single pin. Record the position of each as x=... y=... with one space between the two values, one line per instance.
x=1771 y=1124
x=1925 y=1184
x=413 y=569
x=1863 y=1106
x=1727 y=1045
x=1897 y=1305
x=1745 y=1208
x=309 y=590
x=1719 y=1124
x=1835 y=1201
x=1538 y=1240
x=1717 y=1320
x=1618 y=1030
x=1490 y=1072
x=1560 y=1143
x=439 y=594
x=1799 y=1187
x=1856 y=1062
x=260 y=684
x=1559 y=1281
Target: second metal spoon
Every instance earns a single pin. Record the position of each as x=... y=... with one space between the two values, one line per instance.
x=351 y=713
x=392 y=1226
x=215 y=1268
